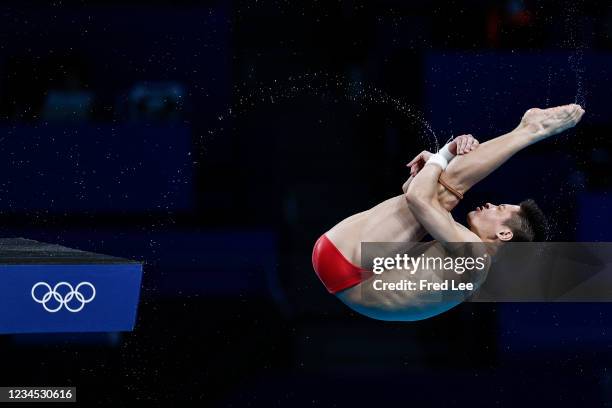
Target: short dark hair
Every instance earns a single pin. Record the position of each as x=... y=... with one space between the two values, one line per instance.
x=529 y=224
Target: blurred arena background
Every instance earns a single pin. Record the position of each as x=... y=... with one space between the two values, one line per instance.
x=144 y=130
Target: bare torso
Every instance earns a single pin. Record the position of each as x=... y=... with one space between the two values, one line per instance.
x=389 y=221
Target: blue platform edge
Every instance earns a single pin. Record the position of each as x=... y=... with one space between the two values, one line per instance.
x=113 y=308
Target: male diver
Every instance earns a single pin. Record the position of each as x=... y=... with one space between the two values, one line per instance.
x=436 y=184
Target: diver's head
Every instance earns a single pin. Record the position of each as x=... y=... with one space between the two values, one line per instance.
x=506 y=222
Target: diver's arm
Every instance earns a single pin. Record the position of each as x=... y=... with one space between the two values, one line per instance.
x=406 y=184
x=461 y=145
x=422 y=199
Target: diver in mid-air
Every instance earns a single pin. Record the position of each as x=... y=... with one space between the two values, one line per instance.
x=436 y=184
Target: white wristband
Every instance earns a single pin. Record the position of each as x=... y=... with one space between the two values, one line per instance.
x=445 y=152
x=438 y=160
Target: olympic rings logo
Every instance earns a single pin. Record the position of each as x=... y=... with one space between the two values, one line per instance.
x=57 y=297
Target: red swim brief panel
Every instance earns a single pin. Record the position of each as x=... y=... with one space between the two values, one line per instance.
x=334 y=270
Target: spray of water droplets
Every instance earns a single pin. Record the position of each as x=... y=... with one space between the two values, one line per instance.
x=325 y=86
x=573 y=40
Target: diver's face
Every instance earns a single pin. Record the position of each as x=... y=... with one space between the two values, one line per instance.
x=489 y=221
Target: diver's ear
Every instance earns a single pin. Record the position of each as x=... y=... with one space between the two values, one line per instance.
x=505 y=235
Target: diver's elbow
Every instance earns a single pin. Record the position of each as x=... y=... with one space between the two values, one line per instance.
x=413 y=195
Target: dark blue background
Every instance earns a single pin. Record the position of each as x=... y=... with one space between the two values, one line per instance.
x=223 y=193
